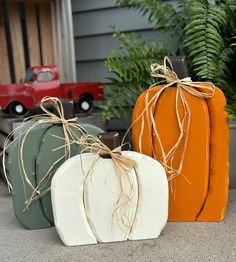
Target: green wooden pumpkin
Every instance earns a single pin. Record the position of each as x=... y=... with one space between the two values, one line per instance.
x=42 y=152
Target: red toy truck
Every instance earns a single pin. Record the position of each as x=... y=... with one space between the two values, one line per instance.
x=41 y=81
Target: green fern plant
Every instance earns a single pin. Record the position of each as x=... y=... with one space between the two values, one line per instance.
x=162 y=14
x=208 y=32
x=130 y=66
x=204 y=39
x=234 y=41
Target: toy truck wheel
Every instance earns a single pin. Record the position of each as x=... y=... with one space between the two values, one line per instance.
x=85 y=104
x=17 y=109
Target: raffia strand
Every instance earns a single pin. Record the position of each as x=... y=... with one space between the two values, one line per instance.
x=122 y=165
x=201 y=90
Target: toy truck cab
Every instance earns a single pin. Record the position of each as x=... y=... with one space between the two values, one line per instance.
x=41 y=81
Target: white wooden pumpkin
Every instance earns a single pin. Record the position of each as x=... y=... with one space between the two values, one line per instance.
x=83 y=204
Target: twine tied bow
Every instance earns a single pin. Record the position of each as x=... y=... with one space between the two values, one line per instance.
x=59 y=118
x=122 y=165
x=199 y=89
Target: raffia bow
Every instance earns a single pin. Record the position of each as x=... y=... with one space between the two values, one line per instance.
x=69 y=135
x=206 y=89
x=199 y=89
x=67 y=124
x=122 y=165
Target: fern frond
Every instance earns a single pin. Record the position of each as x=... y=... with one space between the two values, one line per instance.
x=226 y=70
x=204 y=39
x=233 y=41
x=161 y=13
x=130 y=65
x=164 y=15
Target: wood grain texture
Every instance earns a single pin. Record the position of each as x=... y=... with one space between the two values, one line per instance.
x=45 y=21
x=32 y=33
x=17 y=40
x=5 y=77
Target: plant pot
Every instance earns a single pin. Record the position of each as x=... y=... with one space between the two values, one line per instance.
x=232 y=162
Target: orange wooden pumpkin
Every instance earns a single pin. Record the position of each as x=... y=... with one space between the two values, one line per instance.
x=200 y=192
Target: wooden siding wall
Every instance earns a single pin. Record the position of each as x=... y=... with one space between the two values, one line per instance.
x=26 y=38
x=93 y=34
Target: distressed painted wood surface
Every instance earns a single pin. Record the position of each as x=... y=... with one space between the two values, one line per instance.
x=46 y=33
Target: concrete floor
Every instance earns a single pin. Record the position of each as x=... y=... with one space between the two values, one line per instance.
x=178 y=241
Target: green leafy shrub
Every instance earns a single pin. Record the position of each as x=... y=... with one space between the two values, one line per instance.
x=130 y=65
x=208 y=32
